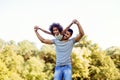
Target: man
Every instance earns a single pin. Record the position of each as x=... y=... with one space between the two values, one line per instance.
x=64 y=47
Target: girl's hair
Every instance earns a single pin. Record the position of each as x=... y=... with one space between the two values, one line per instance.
x=57 y=25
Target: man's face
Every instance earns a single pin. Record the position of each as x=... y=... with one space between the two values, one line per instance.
x=66 y=35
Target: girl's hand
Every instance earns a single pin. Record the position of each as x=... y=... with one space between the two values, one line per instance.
x=36 y=28
x=75 y=21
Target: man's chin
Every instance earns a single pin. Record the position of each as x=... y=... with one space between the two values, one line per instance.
x=65 y=38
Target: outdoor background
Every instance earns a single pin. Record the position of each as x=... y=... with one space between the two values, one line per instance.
x=100 y=19
x=95 y=57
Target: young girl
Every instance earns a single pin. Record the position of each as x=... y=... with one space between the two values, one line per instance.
x=57 y=30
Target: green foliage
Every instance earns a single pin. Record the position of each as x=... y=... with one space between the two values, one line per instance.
x=2 y=44
x=3 y=71
x=83 y=42
x=12 y=63
x=11 y=59
x=26 y=49
x=102 y=67
x=23 y=61
x=114 y=53
x=80 y=68
x=33 y=69
x=47 y=53
x=98 y=65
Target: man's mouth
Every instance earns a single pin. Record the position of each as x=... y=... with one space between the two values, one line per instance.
x=64 y=36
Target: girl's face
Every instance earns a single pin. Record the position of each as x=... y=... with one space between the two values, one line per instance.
x=55 y=31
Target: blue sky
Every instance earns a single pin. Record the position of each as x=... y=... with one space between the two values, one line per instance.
x=100 y=19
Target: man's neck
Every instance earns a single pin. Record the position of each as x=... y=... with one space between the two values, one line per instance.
x=64 y=40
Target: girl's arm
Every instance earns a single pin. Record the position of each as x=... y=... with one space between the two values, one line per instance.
x=45 y=31
x=67 y=28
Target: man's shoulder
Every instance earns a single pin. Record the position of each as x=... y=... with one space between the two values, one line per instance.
x=54 y=40
x=72 y=39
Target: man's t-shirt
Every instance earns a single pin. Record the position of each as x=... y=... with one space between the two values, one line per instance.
x=63 y=51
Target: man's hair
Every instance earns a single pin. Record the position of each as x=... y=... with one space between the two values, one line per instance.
x=57 y=25
x=71 y=31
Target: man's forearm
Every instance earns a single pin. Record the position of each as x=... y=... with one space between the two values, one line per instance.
x=81 y=32
x=39 y=36
x=46 y=41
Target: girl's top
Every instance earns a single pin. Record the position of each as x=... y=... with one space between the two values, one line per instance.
x=59 y=37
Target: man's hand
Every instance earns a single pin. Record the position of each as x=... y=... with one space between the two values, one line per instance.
x=81 y=32
x=75 y=21
x=36 y=28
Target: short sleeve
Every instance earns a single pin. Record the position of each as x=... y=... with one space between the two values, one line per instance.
x=53 y=40
x=73 y=39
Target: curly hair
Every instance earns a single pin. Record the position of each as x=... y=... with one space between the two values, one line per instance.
x=57 y=25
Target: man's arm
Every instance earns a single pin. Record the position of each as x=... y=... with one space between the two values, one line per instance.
x=47 y=41
x=45 y=31
x=67 y=28
x=81 y=32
